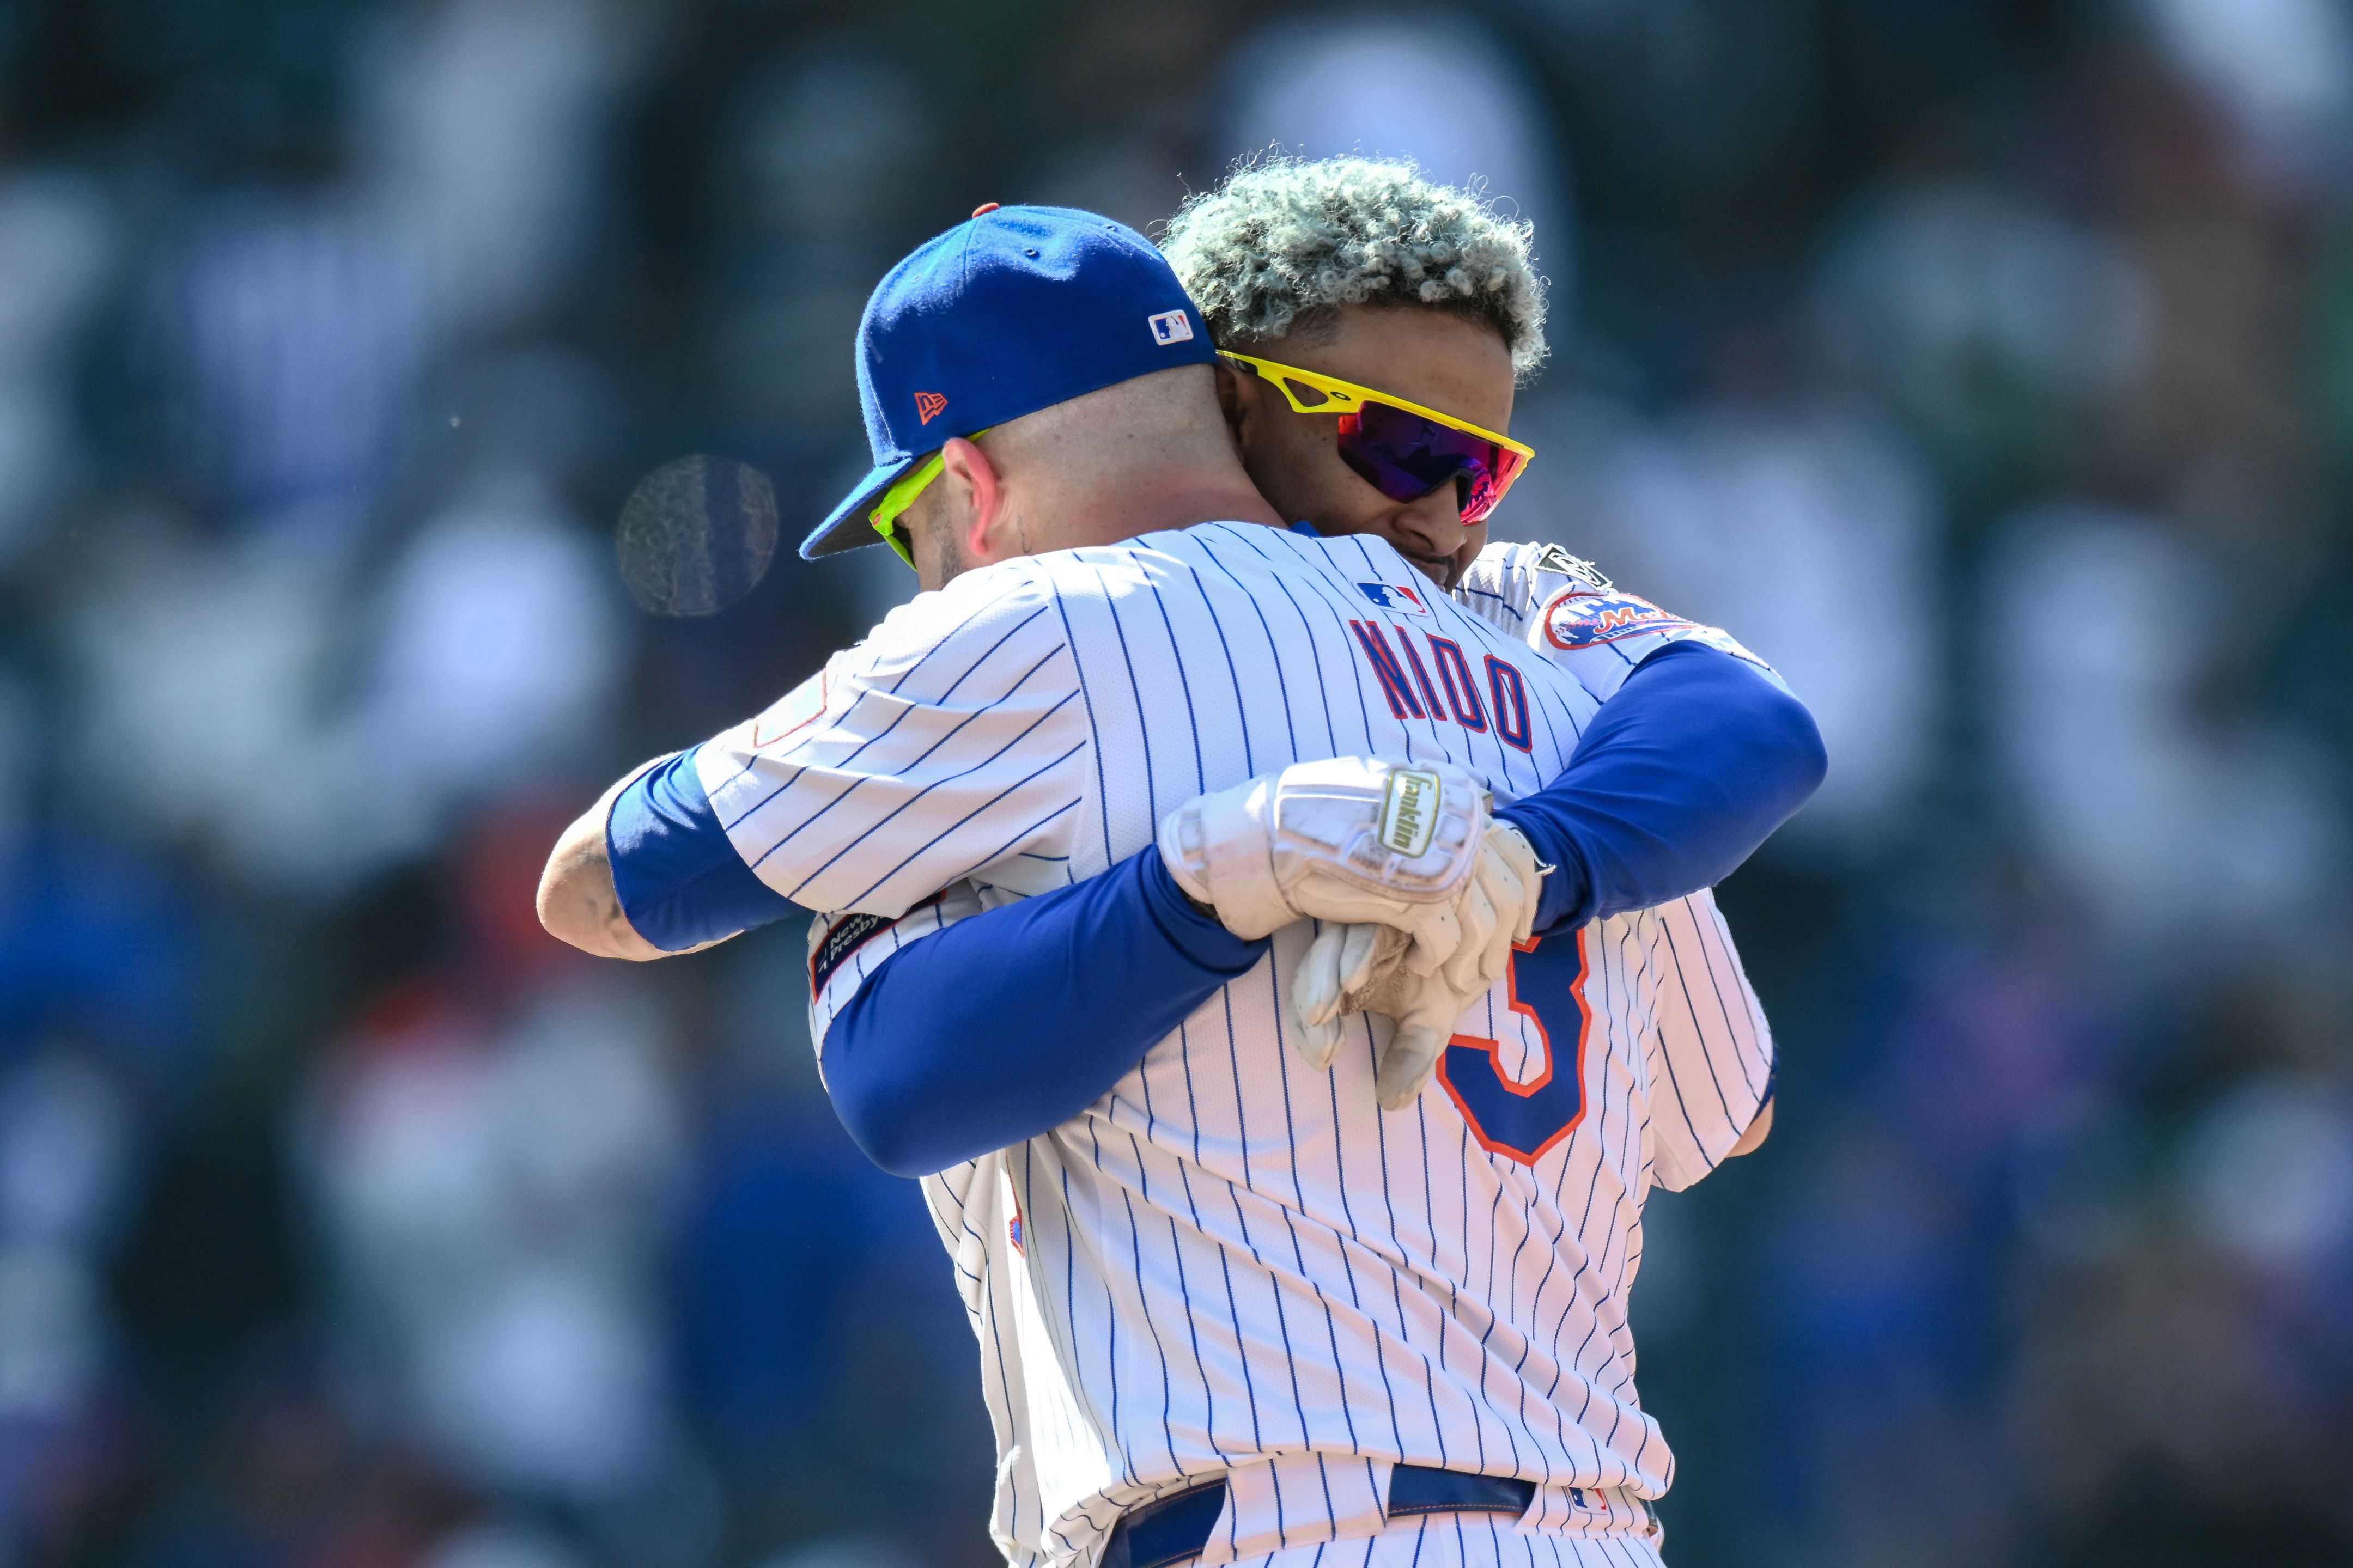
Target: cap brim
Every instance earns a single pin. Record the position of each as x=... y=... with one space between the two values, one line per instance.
x=845 y=528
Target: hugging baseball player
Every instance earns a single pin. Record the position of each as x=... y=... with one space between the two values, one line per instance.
x=1286 y=981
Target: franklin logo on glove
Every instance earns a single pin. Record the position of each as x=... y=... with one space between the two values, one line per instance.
x=1409 y=813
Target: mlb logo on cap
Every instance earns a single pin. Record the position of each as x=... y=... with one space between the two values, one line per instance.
x=1389 y=596
x=1172 y=327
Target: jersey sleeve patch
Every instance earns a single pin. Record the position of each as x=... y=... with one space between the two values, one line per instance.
x=834 y=942
x=1584 y=618
x=1575 y=568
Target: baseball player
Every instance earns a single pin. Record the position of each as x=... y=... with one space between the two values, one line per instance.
x=1025 y=732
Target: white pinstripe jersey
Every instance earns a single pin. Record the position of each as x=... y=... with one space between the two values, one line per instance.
x=1230 y=1264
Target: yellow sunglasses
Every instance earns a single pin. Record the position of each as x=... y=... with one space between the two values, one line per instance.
x=1402 y=449
x=901 y=495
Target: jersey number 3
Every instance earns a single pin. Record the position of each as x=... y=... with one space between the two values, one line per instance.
x=1523 y=1121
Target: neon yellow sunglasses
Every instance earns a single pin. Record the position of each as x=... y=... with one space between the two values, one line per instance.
x=901 y=495
x=1402 y=449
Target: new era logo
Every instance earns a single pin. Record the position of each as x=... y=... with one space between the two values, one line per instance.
x=1171 y=326
x=928 y=405
x=1389 y=596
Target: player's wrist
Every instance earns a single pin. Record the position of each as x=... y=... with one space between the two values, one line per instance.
x=1191 y=927
x=1216 y=847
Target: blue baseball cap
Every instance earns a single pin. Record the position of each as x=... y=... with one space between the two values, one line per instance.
x=1017 y=310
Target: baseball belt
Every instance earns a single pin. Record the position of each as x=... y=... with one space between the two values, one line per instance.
x=1172 y=1529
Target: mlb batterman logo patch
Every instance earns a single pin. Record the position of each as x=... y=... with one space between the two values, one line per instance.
x=1389 y=596
x=1170 y=326
x=1410 y=811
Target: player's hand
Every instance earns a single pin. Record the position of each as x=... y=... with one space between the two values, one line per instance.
x=1350 y=839
x=1348 y=966
x=1371 y=968
x=1426 y=1014
x=1362 y=969
x=1495 y=911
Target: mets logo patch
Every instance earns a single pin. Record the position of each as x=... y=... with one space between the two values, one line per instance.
x=1389 y=596
x=1587 y=620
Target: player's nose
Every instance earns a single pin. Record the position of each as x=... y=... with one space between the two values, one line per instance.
x=1430 y=527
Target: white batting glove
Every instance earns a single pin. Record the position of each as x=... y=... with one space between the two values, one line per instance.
x=1369 y=968
x=1426 y=1015
x=1348 y=966
x=1424 y=1007
x=1350 y=839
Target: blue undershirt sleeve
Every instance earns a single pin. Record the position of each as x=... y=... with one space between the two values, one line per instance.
x=679 y=882
x=1682 y=774
x=992 y=1031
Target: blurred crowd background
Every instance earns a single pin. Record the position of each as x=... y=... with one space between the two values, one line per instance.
x=1986 y=365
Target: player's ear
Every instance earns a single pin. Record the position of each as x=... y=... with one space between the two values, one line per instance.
x=974 y=493
x=1231 y=396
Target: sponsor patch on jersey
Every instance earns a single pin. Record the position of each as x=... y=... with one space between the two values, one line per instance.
x=846 y=936
x=841 y=938
x=1410 y=811
x=1577 y=620
x=1389 y=596
x=795 y=709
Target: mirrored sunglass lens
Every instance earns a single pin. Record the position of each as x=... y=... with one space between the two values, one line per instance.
x=1491 y=485
x=1406 y=457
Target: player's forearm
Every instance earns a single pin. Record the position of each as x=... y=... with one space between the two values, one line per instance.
x=577 y=902
x=1691 y=766
x=579 y=899
x=677 y=879
x=1006 y=1025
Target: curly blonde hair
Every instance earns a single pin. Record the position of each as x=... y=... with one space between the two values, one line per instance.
x=1284 y=243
